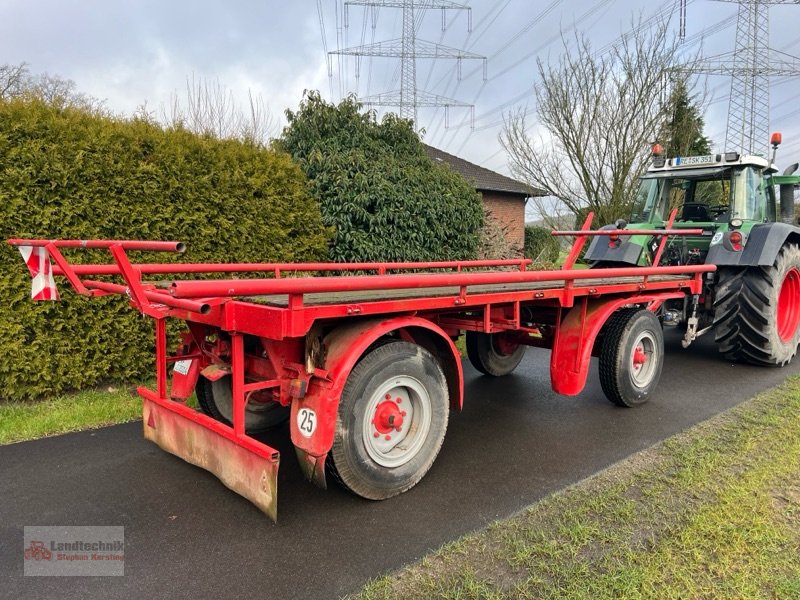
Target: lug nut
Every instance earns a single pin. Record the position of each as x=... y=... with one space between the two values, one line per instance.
x=388 y=437
x=376 y=434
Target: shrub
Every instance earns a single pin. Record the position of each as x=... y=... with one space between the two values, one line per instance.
x=540 y=245
x=494 y=240
x=376 y=185
x=72 y=173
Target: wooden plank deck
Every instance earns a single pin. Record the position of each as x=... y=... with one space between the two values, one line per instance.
x=326 y=298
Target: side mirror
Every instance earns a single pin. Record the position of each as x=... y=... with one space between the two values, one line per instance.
x=621 y=223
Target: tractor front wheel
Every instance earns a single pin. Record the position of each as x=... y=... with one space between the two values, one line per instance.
x=631 y=357
x=757 y=311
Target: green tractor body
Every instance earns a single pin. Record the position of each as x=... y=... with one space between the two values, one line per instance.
x=752 y=302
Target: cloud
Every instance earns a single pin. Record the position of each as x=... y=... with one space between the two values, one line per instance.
x=129 y=53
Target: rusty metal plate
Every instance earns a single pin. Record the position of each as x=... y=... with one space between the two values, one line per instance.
x=246 y=466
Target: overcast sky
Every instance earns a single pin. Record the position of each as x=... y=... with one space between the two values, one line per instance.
x=142 y=51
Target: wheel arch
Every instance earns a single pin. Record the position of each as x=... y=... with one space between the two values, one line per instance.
x=577 y=333
x=764 y=242
x=344 y=346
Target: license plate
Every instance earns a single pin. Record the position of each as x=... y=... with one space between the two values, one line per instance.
x=694 y=160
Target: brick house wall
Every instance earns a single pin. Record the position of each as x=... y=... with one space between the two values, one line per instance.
x=502 y=196
x=508 y=210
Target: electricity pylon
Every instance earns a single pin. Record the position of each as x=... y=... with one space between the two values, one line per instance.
x=408 y=49
x=750 y=66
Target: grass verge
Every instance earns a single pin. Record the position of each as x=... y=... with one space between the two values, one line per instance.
x=711 y=513
x=20 y=421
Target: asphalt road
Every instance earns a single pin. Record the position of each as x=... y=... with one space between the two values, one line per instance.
x=187 y=536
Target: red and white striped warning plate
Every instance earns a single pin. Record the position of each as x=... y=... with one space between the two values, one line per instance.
x=43 y=286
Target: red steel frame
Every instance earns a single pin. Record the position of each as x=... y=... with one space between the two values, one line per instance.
x=286 y=368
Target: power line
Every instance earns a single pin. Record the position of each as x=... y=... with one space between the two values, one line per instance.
x=692 y=40
x=321 y=15
x=591 y=12
x=488 y=25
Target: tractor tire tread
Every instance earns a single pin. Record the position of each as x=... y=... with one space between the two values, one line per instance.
x=744 y=311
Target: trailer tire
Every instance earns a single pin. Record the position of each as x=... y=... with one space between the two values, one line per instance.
x=396 y=385
x=631 y=356
x=757 y=311
x=216 y=400
x=489 y=358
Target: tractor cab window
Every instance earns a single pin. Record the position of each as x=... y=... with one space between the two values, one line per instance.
x=647 y=206
x=702 y=196
x=749 y=194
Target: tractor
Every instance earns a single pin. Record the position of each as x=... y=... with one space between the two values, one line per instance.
x=752 y=301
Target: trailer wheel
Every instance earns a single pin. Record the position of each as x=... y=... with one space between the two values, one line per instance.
x=757 y=311
x=631 y=356
x=216 y=400
x=392 y=420
x=492 y=355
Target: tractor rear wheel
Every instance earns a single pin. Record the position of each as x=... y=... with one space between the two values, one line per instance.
x=392 y=419
x=216 y=400
x=492 y=354
x=757 y=311
x=631 y=357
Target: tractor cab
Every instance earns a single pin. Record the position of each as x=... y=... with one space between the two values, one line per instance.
x=719 y=194
x=752 y=301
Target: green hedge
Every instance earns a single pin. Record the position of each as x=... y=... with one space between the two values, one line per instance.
x=66 y=173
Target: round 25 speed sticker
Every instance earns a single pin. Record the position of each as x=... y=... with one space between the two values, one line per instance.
x=306 y=422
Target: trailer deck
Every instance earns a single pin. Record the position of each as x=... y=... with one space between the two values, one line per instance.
x=622 y=283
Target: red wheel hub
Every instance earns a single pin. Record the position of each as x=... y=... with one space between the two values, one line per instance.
x=388 y=417
x=789 y=306
x=639 y=357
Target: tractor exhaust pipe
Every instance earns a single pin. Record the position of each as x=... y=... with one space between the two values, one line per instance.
x=787 y=197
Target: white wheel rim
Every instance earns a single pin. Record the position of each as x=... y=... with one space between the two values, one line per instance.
x=644 y=359
x=397 y=419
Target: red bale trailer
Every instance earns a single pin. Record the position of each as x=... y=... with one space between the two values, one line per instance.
x=361 y=358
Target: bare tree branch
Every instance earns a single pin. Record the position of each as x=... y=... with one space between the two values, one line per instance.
x=16 y=81
x=12 y=80
x=597 y=115
x=211 y=109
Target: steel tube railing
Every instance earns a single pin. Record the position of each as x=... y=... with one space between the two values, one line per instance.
x=178 y=268
x=104 y=244
x=596 y=232
x=255 y=287
x=159 y=298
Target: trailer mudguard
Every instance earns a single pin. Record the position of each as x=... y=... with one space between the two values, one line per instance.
x=576 y=335
x=627 y=252
x=313 y=417
x=761 y=249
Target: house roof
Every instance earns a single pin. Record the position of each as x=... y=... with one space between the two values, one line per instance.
x=483 y=179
